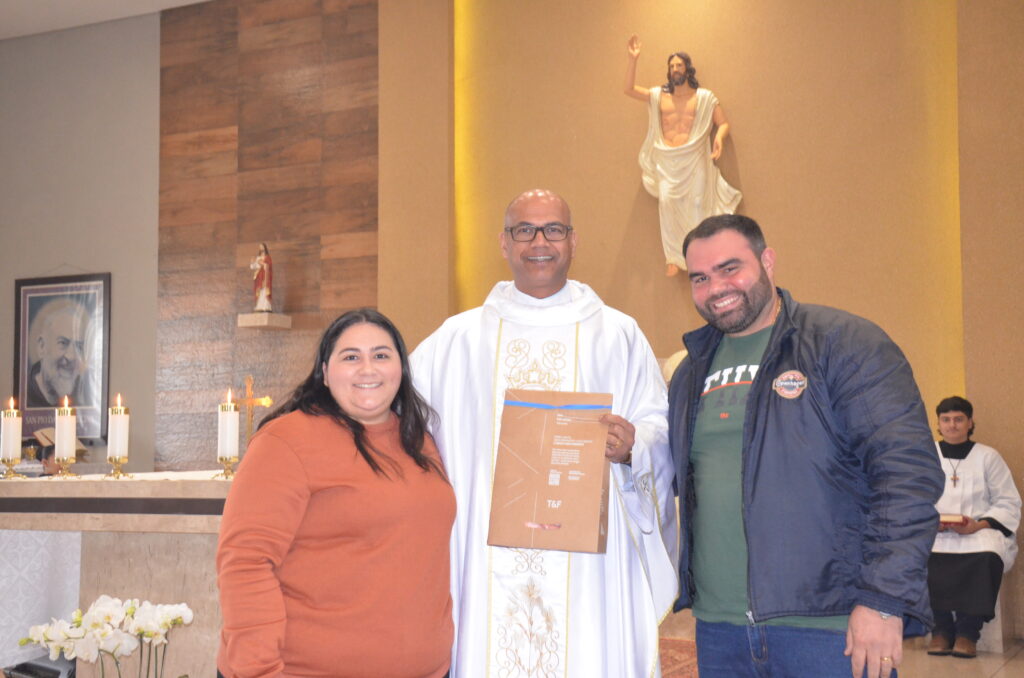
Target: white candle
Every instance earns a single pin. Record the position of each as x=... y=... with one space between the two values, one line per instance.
x=65 y=434
x=117 y=440
x=10 y=435
x=227 y=429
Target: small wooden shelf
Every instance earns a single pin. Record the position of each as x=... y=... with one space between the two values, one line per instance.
x=268 y=321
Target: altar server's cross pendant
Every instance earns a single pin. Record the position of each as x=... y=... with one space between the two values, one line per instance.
x=250 y=403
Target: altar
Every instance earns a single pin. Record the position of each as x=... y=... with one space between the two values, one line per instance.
x=152 y=537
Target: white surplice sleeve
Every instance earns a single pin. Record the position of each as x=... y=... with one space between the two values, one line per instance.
x=1003 y=498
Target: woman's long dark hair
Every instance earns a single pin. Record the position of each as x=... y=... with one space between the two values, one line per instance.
x=313 y=397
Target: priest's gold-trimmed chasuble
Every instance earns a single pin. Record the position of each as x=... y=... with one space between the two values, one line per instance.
x=523 y=613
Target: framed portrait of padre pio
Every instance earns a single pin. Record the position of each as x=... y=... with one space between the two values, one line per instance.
x=62 y=350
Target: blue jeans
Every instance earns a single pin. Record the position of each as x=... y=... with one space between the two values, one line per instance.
x=732 y=651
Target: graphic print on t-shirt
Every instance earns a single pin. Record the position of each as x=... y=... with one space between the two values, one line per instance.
x=723 y=400
x=721 y=383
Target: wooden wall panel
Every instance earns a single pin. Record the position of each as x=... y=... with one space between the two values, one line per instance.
x=268 y=134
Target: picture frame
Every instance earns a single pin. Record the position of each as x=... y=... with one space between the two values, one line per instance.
x=62 y=348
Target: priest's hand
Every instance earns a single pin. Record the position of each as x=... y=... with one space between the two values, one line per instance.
x=873 y=643
x=619 y=446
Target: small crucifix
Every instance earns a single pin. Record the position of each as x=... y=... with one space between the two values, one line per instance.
x=250 y=403
x=956 y=467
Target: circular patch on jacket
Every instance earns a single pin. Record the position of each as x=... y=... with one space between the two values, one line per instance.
x=790 y=384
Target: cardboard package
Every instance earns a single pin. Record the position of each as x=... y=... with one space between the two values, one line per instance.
x=551 y=476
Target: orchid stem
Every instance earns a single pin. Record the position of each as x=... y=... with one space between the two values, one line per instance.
x=163 y=658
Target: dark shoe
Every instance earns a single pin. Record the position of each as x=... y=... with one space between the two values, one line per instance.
x=941 y=645
x=965 y=649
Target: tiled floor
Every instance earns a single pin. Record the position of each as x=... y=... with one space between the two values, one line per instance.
x=678 y=658
x=918 y=664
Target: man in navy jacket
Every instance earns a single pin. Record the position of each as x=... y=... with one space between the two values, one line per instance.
x=806 y=473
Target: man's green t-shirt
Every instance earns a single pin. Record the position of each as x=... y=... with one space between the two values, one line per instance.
x=719 y=538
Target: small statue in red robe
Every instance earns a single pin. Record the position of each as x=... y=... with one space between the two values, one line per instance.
x=262 y=278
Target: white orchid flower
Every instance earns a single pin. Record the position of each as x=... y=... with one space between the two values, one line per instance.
x=119 y=643
x=110 y=626
x=105 y=610
x=86 y=648
x=179 y=614
x=62 y=630
x=38 y=634
x=146 y=622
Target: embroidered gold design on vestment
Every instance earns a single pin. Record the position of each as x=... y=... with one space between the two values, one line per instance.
x=528 y=560
x=544 y=374
x=528 y=640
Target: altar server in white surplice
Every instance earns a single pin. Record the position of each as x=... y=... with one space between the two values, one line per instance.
x=523 y=613
x=977 y=543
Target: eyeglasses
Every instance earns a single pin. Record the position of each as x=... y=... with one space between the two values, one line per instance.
x=527 y=232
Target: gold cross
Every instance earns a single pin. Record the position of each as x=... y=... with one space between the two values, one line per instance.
x=251 y=403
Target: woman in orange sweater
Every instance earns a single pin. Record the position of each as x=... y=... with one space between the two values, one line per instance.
x=333 y=553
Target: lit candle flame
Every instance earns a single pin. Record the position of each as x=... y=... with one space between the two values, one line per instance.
x=12 y=403
x=229 y=396
x=66 y=402
x=119 y=400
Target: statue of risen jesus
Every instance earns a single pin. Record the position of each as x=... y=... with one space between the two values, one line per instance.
x=677 y=159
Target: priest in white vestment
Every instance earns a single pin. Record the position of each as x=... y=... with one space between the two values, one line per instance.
x=522 y=613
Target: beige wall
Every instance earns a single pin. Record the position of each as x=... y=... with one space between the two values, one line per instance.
x=844 y=144
x=416 y=214
x=78 y=188
x=991 y=95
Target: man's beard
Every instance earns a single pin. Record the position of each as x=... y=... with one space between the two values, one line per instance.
x=752 y=303
x=60 y=378
x=679 y=79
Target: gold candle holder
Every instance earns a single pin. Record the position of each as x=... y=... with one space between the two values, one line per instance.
x=10 y=473
x=229 y=467
x=117 y=463
x=61 y=441
x=64 y=466
x=10 y=447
